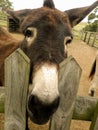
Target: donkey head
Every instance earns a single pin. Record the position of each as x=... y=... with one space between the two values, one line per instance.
x=47 y=31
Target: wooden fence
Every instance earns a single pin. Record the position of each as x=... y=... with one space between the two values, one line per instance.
x=17 y=67
x=71 y=106
x=90 y=38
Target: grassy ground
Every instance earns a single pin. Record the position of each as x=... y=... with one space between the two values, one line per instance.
x=80 y=26
x=3 y=19
x=3 y=23
x=77 y=30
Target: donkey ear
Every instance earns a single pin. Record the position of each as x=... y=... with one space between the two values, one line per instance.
x=78 y=14
x=49 y=3
x=18 y=16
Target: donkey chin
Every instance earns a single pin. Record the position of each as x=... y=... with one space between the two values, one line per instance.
x=40 y=113
x=43 y=99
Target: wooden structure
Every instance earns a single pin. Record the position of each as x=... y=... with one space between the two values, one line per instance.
x=69 y=76
x=17 y=67
x=85 y=108
x=91 y=38
x=71 y=106
x=12 y=25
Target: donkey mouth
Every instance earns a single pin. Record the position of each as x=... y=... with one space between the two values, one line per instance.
x=41 y=116
x=40 y=112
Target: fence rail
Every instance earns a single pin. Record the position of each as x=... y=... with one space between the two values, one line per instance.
x=80 y=112
x=90 y=38
x=85 y=108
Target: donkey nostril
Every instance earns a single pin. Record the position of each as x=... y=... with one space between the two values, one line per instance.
x=32 y=102
x=32 y=99
x=35 y=105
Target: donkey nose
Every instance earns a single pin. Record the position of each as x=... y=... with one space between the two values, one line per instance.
x=35 y=103
x=39 y=111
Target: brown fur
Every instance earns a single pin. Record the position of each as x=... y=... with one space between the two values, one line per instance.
x=52 y=14
x=7 y=45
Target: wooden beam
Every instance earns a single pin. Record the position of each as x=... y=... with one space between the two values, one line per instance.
x=17 y=67
x=69 y=76
x=94 y=123
x=84 y=108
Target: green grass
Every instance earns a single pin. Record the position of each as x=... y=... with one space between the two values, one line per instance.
x=80 y=26
x=77 y=30
x=3 y=23
x=3 y=19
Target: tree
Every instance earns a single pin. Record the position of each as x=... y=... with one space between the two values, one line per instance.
x=92 y=21
x=91 y=17
x=5 y=4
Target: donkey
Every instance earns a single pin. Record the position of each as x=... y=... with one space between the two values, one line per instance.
x=8 y=44
x=47 y=31
x=94 y=76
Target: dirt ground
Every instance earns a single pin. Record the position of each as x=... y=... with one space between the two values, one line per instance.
x=84 y=55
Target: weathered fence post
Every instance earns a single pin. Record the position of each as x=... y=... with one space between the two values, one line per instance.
x=89 y=38
x=94 y=124
x=94 y=39
x=69 y=76
x=16 y=83
x=85 y=37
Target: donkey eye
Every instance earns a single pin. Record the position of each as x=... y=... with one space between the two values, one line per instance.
x=29 y=33
x=68 y=40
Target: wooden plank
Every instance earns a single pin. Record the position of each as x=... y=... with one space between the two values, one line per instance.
x=94 y=124
x=69 y=76
x=91 y=39
x=85 y=37
x=17 y=67
x=84 y=108
x=94 y=38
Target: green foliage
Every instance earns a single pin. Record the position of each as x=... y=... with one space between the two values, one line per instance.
x=91 y=17
x=77 y=30
x=5 y=4
x=93 y=27
x=3 y=18
x=92 y=22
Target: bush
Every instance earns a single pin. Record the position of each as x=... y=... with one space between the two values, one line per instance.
x=93 y=27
